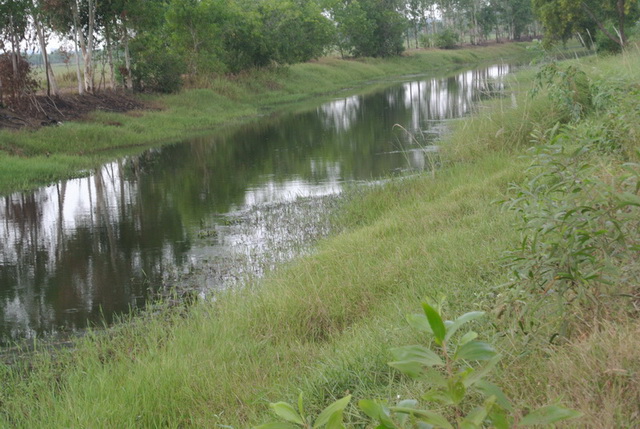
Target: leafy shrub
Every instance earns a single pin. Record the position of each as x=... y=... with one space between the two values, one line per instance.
x=457 y=377
x=568 y=87
x=425 y=40
x=155 y=67
x=605 y=45
x=579 y=231
x=446 y=39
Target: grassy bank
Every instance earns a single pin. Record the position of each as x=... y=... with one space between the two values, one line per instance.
x=32 y=158
x=324 y=324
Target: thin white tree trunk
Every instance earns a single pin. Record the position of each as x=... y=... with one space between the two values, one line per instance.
x=127 y=57
x=112 y=74
x=52 y=87
x=75 y=41
x=87 y=49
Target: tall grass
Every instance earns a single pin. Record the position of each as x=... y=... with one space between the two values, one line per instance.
x=76 y=146
x=323 y=324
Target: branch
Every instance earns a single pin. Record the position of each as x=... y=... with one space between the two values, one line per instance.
x=601 y=25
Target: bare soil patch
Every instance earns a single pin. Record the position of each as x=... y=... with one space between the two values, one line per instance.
x=41 y=110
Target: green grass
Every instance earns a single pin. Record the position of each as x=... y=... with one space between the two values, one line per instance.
x=54 y=153
x=323 y=324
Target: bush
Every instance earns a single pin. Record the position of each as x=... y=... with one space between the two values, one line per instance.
x=155 y=68
x=605 y=45
x=425 y=41
x=446 y=39
x=15 y=88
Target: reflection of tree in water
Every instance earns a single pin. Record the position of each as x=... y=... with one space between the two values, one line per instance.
x=80 y=249
x=86 y=247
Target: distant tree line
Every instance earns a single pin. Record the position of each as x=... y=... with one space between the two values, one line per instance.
x=605 y=23
x=156 y=44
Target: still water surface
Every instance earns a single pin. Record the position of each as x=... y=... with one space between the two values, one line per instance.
x=84 y=250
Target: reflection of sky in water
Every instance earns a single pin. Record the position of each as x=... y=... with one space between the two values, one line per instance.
x=340 y=114
x=66 y=248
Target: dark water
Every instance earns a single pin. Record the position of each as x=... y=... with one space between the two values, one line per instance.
x=83 y=250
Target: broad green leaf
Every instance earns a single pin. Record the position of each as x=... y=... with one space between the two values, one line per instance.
x=410 y=368
x=438 y=396
x=335 y=421
x=376 y=412
x=419 y=322
x=479 y=373
x=548 y=415
x=434 y=377
x=286 y=412
x=424 y=425
x=408 y=403
x=475 y=417
x=417 y=353
x=426 y=416
x=277 y=425
x=403 y=418
x=465 y=318
x=325 y=415
x=456 y=391
x=471 y=335
x=489 y=389
x=499 y=419
x=475 y=350
x=370 y=408
x=435 y=322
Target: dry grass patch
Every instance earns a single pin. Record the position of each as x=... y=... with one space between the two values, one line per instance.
x=599 y=375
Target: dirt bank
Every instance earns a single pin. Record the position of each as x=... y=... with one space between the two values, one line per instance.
x=41 y=110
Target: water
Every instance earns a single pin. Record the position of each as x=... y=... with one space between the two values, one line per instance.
x=213 y=208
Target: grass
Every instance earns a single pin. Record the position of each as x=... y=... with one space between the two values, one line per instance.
x=323 y=323
x=53 y=153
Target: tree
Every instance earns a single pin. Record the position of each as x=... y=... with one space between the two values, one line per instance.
x=371 y=28
x=38 y=16
x=563 y=18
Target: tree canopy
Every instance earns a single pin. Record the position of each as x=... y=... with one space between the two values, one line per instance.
x=564 y=18
x=158 y=44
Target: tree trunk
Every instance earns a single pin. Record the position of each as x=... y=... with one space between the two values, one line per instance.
x=75 y=41
x=52 y=87
x=621 y=18
x=88 y=49
x=14 y=44
x=127 y=57
x=112 y=74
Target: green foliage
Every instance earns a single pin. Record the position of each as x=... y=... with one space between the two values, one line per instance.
x=446 y=39
x=578 y=228
x=192 y=28
x=330 y=418
x=578 y=221
x=569 y=88
x=564 y=18
x=605 y=45
x=369 y=28
x=425 y=40
x=155 y=67
x=457 y=372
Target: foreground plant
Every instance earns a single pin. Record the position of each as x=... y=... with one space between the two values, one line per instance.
x=457 y=373
x=579 y=232
x=330 y=418
x=456 y=370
